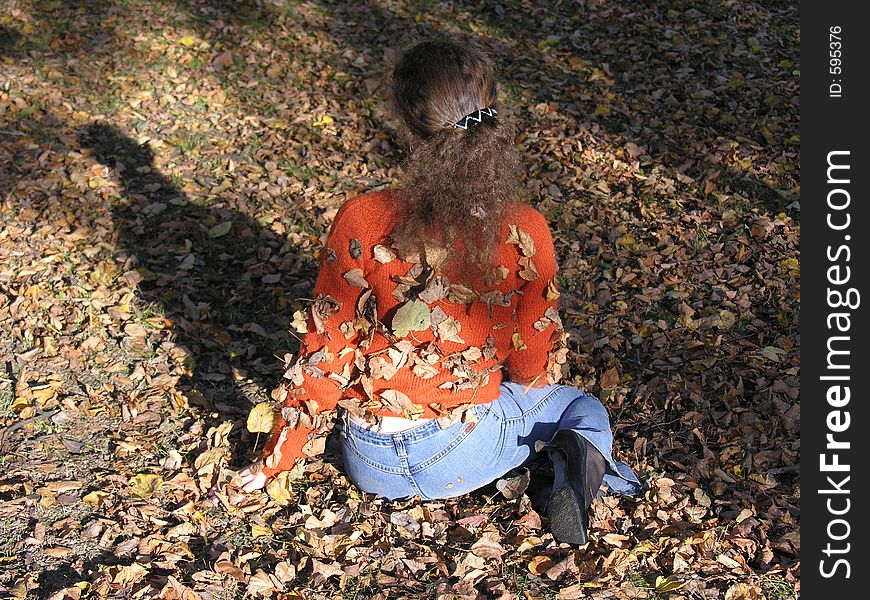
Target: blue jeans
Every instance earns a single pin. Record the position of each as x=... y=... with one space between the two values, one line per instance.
x=431 y=462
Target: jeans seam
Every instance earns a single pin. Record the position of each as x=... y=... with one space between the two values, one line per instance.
x=434 y=459
x=537 y=407
x=372 y=464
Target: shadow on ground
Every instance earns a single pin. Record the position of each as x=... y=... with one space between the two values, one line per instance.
x=221 y=281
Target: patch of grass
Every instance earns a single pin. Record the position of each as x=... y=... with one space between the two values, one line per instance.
x=7 y=395
x=108 y=105
x=775 y=587
x=639 y=581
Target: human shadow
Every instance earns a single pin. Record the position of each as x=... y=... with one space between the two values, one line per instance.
x=222 y=282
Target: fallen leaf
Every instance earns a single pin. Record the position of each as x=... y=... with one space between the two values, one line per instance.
x=261 y=419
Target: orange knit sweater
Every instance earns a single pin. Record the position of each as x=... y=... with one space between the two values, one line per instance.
x=388 y=333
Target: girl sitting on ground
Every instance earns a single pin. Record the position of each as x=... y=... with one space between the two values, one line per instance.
x=434 y=340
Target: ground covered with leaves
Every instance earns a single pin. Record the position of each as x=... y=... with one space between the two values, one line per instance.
x=168 y=172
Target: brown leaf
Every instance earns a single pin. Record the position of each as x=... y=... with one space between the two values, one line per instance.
x=446 y=328
x=355 y=278
x=609 y=378
x=522 y=240
x=540 y=564
x=323 y=308
x=514 y=484
x=488 y=546
x=528 y=272
x=399 y=403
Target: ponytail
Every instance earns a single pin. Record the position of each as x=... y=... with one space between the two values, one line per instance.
x=457 y=183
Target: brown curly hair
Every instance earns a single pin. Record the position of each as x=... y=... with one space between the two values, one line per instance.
x=456 y=182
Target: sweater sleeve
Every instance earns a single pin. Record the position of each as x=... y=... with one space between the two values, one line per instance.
x=314 y=383
x=539 y=343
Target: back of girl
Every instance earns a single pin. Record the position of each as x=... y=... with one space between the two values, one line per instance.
x=434 y=340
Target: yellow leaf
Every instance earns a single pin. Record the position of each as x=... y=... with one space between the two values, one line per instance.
x=280 y=489
x=261 y=419
x=145 y=485
x=19 y=404
x=602 y=110
x=95 y=498
x=609 y=378
x=667 y=584
x=540 y=564
x=552 y=291
x=325 y=120
x=518 y=342
x=792 y=266
x=260 y=531
x=187 y=41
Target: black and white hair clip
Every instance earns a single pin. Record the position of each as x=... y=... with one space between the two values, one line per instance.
x=475 y=117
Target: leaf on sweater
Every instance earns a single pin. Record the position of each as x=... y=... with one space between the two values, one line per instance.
x=381 y=368
x=323 y=308
x=457 y=414
x=322 y=355
x=528 y=271
x=411 y=316
x=551 y=315
x=331 y=256
x=436 y=289
x=300 y=321
x=347 y=329
x=315 y=446
x=446 y=328
x=552 y=291
x=413 y=278
x=517 y=341
x=352 y=406
x=424 y=370
x=366 y=311
x=290 y=414
x=383 y=254
x=489 y=350
x=261 y=418
x=341 y=380
x=472 y=354
x=295 y=374
x=355 y=278
x=355 y=249
x=495 y=275
x=495 y=298
x=522 y=240
x=274 y=459
x=557 y=356
x=367 y=386
x=461 y=294
x=399 y=355
x=399 y=403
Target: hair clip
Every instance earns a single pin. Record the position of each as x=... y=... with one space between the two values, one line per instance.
x=476 y=116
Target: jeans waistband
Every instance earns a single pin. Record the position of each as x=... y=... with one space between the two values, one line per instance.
x=426 y=430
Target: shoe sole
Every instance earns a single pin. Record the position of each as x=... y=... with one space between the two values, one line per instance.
x=567 y=522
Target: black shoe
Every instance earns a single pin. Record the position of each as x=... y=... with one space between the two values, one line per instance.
x=578 y=469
